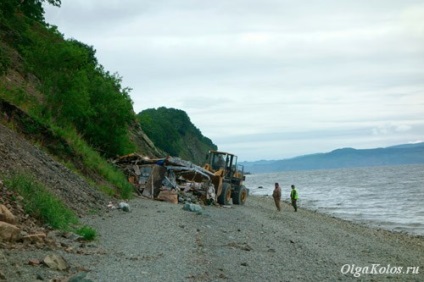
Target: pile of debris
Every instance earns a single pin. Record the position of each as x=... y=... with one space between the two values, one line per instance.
x=168 y=179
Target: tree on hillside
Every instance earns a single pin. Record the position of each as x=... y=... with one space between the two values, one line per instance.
x=111 y=114
x=31 y=8
x=76 y=92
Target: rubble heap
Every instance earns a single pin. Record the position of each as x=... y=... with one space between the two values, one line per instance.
x=169 y=179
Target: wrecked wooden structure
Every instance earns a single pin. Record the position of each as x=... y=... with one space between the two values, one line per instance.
x=169 y=178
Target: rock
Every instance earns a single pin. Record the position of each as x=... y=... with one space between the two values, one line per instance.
x=34 y=262
x=23 y=233
x=6 y=215
x=56 y=262
x=111 y=206
x=124 y=206
x=53 y=235
x=2 y=276
x=34 y=238
x=71 y=236
x=8 y=232
x=192 y=207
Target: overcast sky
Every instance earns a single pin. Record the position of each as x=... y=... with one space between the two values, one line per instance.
x=266 y=79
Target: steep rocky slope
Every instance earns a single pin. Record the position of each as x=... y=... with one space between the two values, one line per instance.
x=19 y=155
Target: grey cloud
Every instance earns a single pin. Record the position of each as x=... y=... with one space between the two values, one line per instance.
x=291 y=76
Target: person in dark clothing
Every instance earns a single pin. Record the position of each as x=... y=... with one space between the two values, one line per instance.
x=276 y=194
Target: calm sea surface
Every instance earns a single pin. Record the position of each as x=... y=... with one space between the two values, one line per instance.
x=390 y=197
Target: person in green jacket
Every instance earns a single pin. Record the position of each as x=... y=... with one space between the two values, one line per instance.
x=294 y=196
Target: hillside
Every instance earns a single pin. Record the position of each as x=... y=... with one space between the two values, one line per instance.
x=344 y=158
x=172 y=131
x=55 y=93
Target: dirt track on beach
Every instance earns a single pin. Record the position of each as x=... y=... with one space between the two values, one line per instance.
x=158 y=241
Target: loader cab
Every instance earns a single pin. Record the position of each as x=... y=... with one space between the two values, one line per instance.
x=220 y=160
x=226 y=161
x=231 y=177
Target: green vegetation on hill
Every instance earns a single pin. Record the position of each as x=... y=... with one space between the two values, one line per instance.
x=42 y=204
x=55 y=92
x=172 y=131
x=45 y=206
x=69 y=87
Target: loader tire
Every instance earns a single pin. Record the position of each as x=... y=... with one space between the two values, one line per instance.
x=225 y=197
x=240 y=196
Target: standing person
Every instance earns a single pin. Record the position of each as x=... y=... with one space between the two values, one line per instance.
x=294 y=196
x=276 y=194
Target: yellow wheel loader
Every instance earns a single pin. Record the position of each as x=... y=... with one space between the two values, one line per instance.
x=228 y=177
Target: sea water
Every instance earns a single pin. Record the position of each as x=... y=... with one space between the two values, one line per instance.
x=390 y=197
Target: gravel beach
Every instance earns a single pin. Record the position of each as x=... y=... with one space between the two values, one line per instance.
x=158 y=241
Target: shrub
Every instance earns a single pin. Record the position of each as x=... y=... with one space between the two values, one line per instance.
x=87 y=232
x=4 y=60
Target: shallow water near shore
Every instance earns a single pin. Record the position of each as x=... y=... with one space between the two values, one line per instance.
x=390 y=197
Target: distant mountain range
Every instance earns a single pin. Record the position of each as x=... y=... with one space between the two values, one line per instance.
x=344 y=158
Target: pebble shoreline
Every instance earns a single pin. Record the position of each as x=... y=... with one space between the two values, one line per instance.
x=158 y=241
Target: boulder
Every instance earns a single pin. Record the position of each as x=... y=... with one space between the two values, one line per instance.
x=192 y=207
x=34 y=238
x=34 y=262
x=56 y=262
x=124 y=206
x=6 y=215
x=8 y=232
